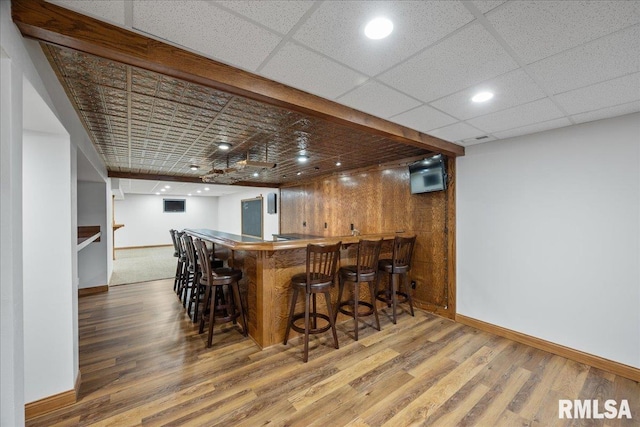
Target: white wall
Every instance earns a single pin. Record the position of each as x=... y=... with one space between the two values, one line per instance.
x=11 y=292
x=92 y=210
x=22 y=59
x=145 y=224
x=548 y=236
x=48 y=285
x=229 y=213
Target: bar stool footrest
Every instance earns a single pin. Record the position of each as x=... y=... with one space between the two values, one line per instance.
x=311 y=317
x=351 y=304
x=385 y=297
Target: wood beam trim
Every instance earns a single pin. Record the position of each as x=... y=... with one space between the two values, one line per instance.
x=56 y=25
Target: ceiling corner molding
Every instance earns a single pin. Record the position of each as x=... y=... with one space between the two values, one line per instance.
x=56 y=25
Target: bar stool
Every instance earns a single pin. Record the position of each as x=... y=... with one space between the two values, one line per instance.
x=399 y=265
x=365 y=270
x=224 y=307
x=192 y=288
x=321 y=265
x=180 y=260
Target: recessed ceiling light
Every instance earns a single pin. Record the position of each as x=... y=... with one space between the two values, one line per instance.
x=198 y=191
x=206 y=188
x=224 y=146
x=162 y=189
x=378 y=28
x=302 y=158
x=194 y=167
x=482 y=97
x=338 y=164
x=299 y=173
x=157 y=194
x=189 y=194
x=256 y=174
x=167 y=186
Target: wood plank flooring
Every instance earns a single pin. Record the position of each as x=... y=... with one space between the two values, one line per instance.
x=143 y=363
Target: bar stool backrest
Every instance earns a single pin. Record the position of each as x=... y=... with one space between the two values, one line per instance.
x=176 y=250
x=402 y=252
x=322 y=264
x=187 y=243
x=181 y=250
x=203 y=256
x=367 y=256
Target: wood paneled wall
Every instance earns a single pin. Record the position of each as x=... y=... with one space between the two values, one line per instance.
x=379 y=200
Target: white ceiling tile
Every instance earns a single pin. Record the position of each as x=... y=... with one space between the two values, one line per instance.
x=298 y=67
x=206 y=29
x=538 y=29
x=457 y=132
x=377 y=99
x=337 y=30
x=112 y=11
x=541 y=110
x=603 y=59
x=485 y=6
x=277 y=15
x=423 y=119
x=606 y=94
x=510 y=89
x=467 y=58
x=536 y=127
x=605 y=113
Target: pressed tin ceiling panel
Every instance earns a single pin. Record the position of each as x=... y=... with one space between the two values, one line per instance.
x=142 y=122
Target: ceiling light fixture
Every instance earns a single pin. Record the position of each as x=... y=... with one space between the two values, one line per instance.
x=482 y=97
x=206 y=188
x=162 y=189
x=157 y=194
x=256 y=174
x=338 y=164
x=224 y=146
x=189 y=194
x=167 y=186
x=194 y=167
x=378 y=28
x=198 y=191
x=302 y=158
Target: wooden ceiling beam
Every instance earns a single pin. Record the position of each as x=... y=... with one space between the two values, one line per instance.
x=53 y=24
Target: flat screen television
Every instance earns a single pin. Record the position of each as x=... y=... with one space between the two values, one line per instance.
x=174 y=205
x=428 y=175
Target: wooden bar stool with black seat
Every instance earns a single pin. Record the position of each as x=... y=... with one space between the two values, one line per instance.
x=193 y=289
x=221 y=306
x=398 y=266
x=180 y=260
x=364 y=271
x=182 y=264
x=321 y=265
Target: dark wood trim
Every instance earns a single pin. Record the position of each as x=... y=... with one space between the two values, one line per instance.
x=153 y=177
x=616 y=368
x=83 y=292
x=56 y=25
x=451 y=237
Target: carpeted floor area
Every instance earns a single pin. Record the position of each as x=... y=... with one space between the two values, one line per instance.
x=142 y=265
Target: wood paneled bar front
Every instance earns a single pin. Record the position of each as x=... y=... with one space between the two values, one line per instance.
x=267 y=268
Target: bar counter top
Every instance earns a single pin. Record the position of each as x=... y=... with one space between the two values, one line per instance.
x=247 y=243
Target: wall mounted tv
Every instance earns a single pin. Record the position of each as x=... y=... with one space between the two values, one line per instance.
x=428 y=175
x=174 y=205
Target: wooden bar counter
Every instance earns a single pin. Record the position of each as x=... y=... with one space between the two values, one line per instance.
x=267 y=268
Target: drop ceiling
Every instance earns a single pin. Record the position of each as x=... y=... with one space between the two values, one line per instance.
x=550 y=64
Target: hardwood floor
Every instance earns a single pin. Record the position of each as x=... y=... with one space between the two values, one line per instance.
x=143 y=363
